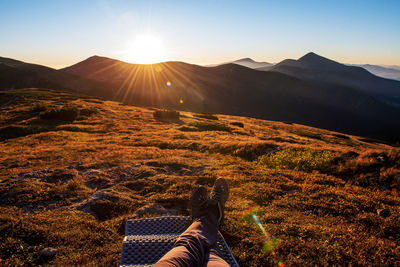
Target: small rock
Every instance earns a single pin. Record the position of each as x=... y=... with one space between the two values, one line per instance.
x=384 y=188
x=384 y=212
x=381 y=158
x=48 y=252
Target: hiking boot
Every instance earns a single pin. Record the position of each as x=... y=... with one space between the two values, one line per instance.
x=199 y=202
x=219 y=196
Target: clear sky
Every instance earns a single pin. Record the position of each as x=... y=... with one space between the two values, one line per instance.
x=60 y=33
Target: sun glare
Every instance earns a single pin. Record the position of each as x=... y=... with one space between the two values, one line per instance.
x=145 y=49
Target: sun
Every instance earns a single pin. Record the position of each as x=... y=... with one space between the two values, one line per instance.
x=145 y=49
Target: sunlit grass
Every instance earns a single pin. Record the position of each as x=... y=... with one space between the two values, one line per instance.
x=317 y=192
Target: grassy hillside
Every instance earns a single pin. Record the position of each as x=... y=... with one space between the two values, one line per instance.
x=73 y=169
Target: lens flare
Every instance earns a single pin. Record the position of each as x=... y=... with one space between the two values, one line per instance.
x=181 y=101
x=246 y=216
x=169 y=84
x=250 y=216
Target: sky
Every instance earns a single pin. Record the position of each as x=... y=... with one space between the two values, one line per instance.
x=59 y=33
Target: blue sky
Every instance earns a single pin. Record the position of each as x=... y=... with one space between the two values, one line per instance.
x=59 y=33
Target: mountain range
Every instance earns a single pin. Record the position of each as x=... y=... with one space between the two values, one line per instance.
x=388 y=72
x=17 y=74
x=313 y=90
x=317 y=69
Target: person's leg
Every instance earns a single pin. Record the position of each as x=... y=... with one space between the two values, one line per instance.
x=192 y=248
x=213 y=259
x=192 y=245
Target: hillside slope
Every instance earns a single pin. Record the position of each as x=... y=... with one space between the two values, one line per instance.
x=71 y=183
x=16 y=74
x=236 y=90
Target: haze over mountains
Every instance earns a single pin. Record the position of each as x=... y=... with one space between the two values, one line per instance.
x=392 y=72
x=248 y=62
x=313 y=90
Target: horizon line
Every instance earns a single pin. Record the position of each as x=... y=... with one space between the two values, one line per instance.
x=209 y=64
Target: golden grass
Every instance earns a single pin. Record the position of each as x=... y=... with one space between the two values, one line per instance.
x=317 y=216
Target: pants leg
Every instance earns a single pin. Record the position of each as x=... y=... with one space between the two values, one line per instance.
x=214 y=260
x=192 y=248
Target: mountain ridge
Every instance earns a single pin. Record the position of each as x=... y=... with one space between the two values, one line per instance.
x=226 y=89
x=19 y=74
x=237 y=90
x=318 y=69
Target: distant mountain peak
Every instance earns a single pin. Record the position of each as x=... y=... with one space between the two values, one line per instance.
x=311 y=54
x=312 y=57
x=312 y=60
x=245 y=59
x=95 y=57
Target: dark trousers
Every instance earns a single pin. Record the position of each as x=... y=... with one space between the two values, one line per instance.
x=194 y=246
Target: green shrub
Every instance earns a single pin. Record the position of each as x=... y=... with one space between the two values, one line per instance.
x=210 y=126
x=206 y=116
x=63 y=114
x=166 y=114
x=39 y=107
x=303 y=160
x=88 y=112
x=237 y=123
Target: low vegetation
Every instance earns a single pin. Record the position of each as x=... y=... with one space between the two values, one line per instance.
x=237 y=123
x=17 y=131
x=206 y=116
x=210 y=126
x=62 y=114
x=39 y=107
x=166 y=114
x=306 y=160
x=72 y=184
